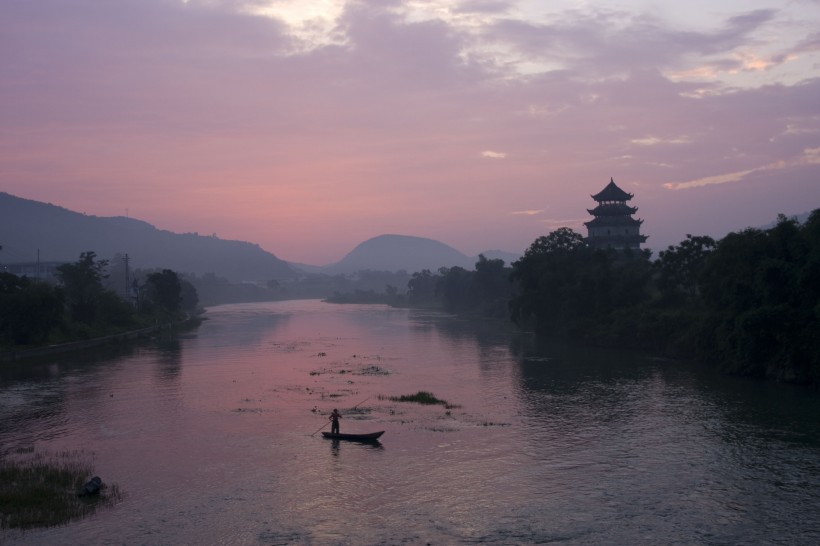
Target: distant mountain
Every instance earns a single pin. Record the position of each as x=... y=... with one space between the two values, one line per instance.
x=61 y=235
x=397 y=252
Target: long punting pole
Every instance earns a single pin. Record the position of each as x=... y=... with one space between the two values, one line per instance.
x=354 y=407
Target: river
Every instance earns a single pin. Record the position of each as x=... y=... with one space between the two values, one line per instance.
x=214 y=437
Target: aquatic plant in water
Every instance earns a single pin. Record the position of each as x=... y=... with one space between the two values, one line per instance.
x=421 y=397
x=42 y=489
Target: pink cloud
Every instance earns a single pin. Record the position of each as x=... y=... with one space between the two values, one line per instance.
x=199 y=117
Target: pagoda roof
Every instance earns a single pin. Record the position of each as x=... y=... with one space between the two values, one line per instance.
x=613 y=209
x=612 y=193
x=614 y=221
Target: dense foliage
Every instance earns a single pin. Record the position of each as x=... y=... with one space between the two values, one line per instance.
x=749 y=303
x=484 y=292
x=34 y=312
x=566 y=288
x=29 y=310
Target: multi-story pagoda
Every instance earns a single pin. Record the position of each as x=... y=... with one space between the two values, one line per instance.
x=613 y=225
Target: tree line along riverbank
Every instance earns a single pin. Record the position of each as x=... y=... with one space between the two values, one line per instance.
x=748 y=304
x=38 y=318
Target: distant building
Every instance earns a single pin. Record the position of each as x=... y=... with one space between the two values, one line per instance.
x=613 y=225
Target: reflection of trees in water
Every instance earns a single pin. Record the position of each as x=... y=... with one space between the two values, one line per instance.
x=593 y=386
x=585 y=385
x=483 y=332
x=23 y=404
x=489 y=339
x=758 y=411
x=36 y=391
x=54 y=366
x=248 y=325
x=169 y=357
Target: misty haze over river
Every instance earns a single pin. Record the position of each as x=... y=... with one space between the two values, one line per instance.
x=210 y=437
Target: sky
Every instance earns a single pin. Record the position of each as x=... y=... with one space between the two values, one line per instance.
x=308 y=127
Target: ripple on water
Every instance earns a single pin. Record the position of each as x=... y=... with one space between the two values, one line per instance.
x=210 y=440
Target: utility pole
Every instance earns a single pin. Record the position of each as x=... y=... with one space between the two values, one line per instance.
x=127 y=280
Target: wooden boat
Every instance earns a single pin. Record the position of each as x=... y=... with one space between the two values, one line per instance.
x=369 y=437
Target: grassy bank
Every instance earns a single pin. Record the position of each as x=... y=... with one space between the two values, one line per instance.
x=42 y=489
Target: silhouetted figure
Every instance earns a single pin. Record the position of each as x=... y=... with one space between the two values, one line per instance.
x=334 y=419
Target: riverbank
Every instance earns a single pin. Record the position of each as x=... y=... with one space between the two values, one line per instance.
x=209 y=437
x=71 y=346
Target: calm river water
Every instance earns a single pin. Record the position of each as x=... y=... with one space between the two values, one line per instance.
x=211 y=438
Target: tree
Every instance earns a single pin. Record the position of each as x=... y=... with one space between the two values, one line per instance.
x=565 y=288
x=29 y=309
x=421 y=288
x=189 y=296
x=453 y=288
x=680 y=267
x=562 y=239
x=492 y=280
x=164 y=291
x=761 y=297
x=82 y=285
x=544 y=279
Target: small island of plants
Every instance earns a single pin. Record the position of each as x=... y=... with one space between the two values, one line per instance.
x=44 y=490
x=421 y=397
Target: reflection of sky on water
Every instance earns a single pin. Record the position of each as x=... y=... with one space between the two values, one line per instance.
x=212 y=437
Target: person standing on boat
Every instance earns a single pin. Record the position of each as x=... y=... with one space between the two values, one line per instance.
x=334 y=421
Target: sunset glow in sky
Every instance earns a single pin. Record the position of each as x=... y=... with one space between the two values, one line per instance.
x=310 y=126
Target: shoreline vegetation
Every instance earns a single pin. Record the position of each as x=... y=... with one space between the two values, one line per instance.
x=47 y=489
x=747 y=304
x=38 y=318
x=12 y=355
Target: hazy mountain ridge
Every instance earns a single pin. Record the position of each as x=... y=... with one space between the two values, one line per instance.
x=61 y=235
x=396 y=252
x=393 y=252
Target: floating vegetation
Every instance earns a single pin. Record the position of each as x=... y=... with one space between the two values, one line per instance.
x=421 y=397
x=441 y=429
x=373 y=370
x=43 y=490
x=290 y=347
x=330 y=371
x=368 y=370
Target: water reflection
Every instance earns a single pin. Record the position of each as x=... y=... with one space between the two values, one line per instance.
x=246 y=325
x=620 y=427
x=169 y=358
x=209 y=435
x=336 y=445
